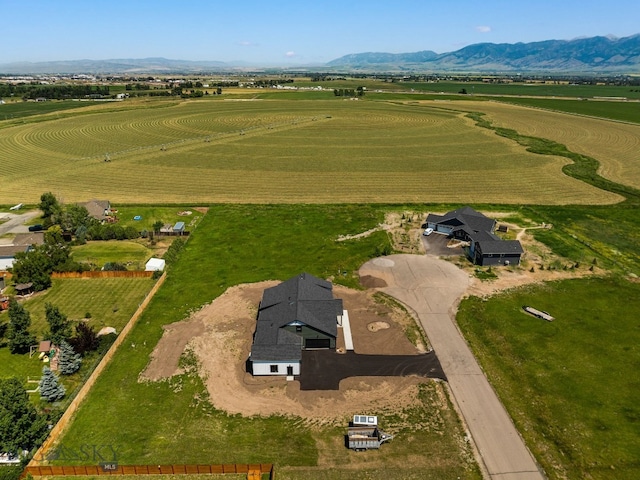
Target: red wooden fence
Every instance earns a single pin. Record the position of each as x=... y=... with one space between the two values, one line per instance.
x=248 y=468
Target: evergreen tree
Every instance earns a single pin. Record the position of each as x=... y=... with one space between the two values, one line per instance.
x=20 y=339
x=50 y=387
x=68 y=360
x=59 y=325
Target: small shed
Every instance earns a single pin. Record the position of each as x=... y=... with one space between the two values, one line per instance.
x=178 y=228
x=154 y=264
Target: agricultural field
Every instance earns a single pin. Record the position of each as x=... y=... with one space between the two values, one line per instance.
x=615 y=145
x=620 y=111
x=266 y=151
x=295 y=176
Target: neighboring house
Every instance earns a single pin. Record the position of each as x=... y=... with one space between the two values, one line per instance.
x=300 y=313
x=98 y=209
x=485 y=248
x=31 y=238
x=8 y=255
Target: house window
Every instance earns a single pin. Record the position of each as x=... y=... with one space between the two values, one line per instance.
x=274 y=368
x=298 y=328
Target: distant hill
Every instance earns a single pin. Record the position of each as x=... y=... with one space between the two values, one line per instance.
x=584 y=55
x=116 y=66
x=595 y=54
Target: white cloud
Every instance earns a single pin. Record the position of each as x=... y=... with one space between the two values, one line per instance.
x=290 y=54
x=483 y=29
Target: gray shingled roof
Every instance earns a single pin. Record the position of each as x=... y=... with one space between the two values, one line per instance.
x=304 y=298
x=469 y=217
x=497 y=247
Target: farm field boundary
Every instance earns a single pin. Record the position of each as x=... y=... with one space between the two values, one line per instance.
x=91 y=470
x=612 y=143
x=75 y=403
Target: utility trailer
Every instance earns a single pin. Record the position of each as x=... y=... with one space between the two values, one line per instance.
x=363 y=438
x=538 y=313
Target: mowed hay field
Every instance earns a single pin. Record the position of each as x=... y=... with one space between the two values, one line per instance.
x=615 y=145
x=276 y=151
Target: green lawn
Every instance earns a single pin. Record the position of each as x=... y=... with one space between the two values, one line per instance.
x=110 y=301
x=149 y=214
x=570 y=385
x=133 y=254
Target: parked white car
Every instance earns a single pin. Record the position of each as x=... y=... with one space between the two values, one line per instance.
x=428 y=232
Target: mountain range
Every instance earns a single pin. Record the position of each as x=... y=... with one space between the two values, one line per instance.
x=583 y=55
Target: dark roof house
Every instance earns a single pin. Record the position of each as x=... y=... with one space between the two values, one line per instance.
x=485 y=248
x=461 y=222
x=299 y=313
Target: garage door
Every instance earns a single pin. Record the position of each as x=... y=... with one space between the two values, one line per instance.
x=317 y=343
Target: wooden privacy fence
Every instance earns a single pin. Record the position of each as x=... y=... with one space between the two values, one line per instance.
x=252 y=470
x=104 y=274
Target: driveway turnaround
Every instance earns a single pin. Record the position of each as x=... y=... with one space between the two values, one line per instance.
x=432 y=288
x=323 y=369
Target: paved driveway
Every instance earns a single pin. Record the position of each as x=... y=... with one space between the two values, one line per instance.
x=323 y=369
x=14 y=222
x=432 y=288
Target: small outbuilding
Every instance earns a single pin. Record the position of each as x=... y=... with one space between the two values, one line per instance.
x=178 y=228
x=154 y=265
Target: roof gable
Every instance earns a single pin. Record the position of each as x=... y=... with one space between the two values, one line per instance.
x=303 y=299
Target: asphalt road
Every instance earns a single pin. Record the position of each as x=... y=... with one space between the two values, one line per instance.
x=15 y=221
x=432 y=288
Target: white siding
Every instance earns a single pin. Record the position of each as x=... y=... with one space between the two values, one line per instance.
x=264 y=368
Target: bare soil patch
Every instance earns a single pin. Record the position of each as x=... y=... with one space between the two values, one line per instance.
x=220 y=336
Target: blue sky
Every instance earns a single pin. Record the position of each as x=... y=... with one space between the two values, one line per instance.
x=285 y=33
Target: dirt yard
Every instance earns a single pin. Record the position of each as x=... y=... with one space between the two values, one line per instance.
x=220 y=336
